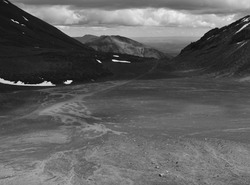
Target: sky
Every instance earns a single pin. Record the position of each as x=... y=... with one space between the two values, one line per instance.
x=137 y=18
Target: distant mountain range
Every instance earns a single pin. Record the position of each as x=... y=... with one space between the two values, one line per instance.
x=121 y=45
x=221 y=52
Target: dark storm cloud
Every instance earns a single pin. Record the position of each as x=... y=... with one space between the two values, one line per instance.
x=196 y=6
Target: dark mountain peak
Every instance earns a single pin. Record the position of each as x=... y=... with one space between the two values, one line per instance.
x=33 y=51
x=243 y=31
x=225 y=50
x=245 y=19
x=19 y=28
x=232 y=34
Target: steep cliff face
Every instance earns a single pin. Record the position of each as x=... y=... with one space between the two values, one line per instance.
x=32 y=51
x=122 y=45
x=224 y=51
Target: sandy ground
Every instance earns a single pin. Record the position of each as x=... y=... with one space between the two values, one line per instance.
x=171 y=132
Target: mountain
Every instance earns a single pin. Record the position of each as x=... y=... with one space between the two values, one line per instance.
x=86 y=38
x=18 y=28
x=122 y=45
x=32 y=51
x=222 y=51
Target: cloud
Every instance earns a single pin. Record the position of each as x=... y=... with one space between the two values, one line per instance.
x=196 y=6
x=65 y=15
x=56 y=15
x=112 y=14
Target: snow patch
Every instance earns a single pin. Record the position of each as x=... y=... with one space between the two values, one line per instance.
x=15 y=21
x=100 y=62
x=121 y=61
x=246 y=19
x=242 y=43
x=5 y=2
x=68 y=82
x=19 y=83
x=116 y=56
x=210 y=37
x=243 y=27
x=25 y=19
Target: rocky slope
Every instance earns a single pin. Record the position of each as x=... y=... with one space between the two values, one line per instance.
x=122 y=45
x=221 y=52
x=33 y=51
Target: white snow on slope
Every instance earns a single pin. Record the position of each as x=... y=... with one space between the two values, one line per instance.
x=25 y=19
x=116 y=56
x=19 y=83
x=68 y=82
x=242 y=43
x=5 y=2
x=121 y=61
x=15 y=21
x=100 y=62
x=246 y=19
x=210 y=37
x=243 y=27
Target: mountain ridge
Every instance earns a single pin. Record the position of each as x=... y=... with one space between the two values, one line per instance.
x=86 y=38
x=30 y=29
x=221 y=51
x=33 y=51
x=121 y=45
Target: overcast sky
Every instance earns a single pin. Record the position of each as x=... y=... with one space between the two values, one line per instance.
x=135 y=18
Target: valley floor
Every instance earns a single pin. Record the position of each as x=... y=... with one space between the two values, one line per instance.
x=171 y=131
